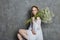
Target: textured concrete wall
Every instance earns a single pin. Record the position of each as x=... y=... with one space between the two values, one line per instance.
x=14 y=12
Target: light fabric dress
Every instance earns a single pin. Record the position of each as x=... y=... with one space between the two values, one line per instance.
x=37 y=28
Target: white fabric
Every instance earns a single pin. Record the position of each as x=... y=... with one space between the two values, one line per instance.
x=37 y=28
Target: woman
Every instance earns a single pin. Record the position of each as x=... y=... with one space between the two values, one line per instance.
x=34 y=32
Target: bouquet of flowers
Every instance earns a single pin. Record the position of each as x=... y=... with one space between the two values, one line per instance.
x=45 y=15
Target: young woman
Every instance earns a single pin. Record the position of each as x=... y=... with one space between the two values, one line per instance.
x=34 y=32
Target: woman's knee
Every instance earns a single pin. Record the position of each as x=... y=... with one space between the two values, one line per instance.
x=17 y=34
x=20 y=30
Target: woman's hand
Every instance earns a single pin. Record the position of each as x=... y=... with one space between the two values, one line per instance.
x=38 y=18
x=33 y=18
x=33 y=31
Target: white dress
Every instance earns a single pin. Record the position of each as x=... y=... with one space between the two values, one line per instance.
x=37 y=28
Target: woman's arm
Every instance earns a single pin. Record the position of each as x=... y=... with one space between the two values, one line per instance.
x=31 y=26
x=38 y=20
x=33 y=21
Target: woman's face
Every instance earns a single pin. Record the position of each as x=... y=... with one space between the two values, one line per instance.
x=34 y=11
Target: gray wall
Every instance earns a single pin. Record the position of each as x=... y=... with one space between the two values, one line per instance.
x=13 y=13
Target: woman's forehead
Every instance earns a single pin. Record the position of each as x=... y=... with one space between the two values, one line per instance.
x=34 y=8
